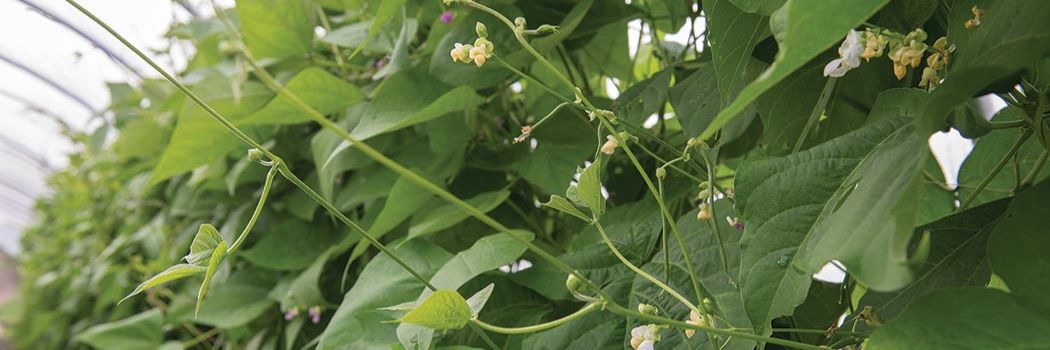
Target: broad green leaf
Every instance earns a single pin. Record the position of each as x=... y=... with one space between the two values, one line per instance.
x=644 y=98
x=444 y=309
x=198 y=138
x=963 y=319
x=561 y=204
x=562 y=145
x=204 y=243
x=599 y=330
x=590 y=188
x=276 y=28
x=983 y=56
x=355 y=34
x=696 y=100
x=409 y=98
x=764 y=7
x=241 y=299
x=141 y=137
x=173 y=273
x=869 y=220
x=785 y=108
x=399 y=58
x=905 y=16
x=289 y=245
x=448 y=215
x=781 y=200
x=320 y=90
x=958 y=258
x=812 y=26
x=487 y=254
x=733 y=34
x=143 y=331
x=217 y=256
x=404 y=200
x=987 y=152
x=1019 y=248
x=358 y=323
x=608 y=52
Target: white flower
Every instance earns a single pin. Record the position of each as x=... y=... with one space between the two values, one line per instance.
x=644 y=337
x=610 y=145
x=849 y=56
x=694 y=319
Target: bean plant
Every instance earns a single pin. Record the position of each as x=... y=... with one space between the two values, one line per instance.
x=554 y=174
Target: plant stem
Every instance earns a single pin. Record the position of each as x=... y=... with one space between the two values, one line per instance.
x=594 y=306
x=639 y=271
x=1008 y=124
x=258 y=210
x=814 y=116
x=995 y=170
x=620 y=310
x=1038 y=167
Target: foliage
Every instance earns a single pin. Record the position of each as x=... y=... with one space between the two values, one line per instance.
x=375 y=174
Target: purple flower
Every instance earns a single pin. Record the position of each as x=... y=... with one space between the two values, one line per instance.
x=315 y=314
x=291 y=314
x=446 y=17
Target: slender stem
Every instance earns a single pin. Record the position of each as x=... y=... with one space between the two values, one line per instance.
x=529 y=77
x=549 y=115
x=814 y=116
x=255 y=214
x=1009 y=124
x=1038 y=167
x=816 y=331
x=714 y=216
x=542 y=326
x=995 y=170
x=620 y=310
x=639 y=271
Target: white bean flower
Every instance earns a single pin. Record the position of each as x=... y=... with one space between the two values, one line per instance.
x=849 y=55
x=644 y=337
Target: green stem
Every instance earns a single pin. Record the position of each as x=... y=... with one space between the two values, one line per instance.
x=258 y=210
x=995 y=170
x=1008 y=124
x=542 y=326
x=814 y=116
x=620 y=310
x=639 y=271
x=1039 y=163
x=711 y=201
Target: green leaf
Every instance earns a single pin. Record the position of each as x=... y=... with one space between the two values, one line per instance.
x=785 y=108
x=410 y=98
x=143 y=331
x=764 y=7
x=644 y=98
x=988 y=150
x=141 y=137
x=562 y=144
x=448 y=215
x=590 y=188
x=963 y=319
x=444 y=309
x=243 y=298
x=288 y=246
x=812 y=26
x=487 y=254
x=696 y=100
x=203 y=246
x=781 y=200
x=1019 y=245
x=478 y=300
x=733 y=34
x=173 y=273
x=399 y=58
x=320 y=90
x=357 y=324
x=563 y=205
x=198 y=139
x=958 y=258
x=983 y=56
x=276 y=28
x=217 y=256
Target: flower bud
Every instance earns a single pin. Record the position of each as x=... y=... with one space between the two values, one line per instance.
x=573 y=283
x=519 y=22
x=705 y=212
x=291 y=314
x=661 y=173
x=648 y=309
x=610 y=145
x=482 y=31
x=315 y=314
x=255 y=154
x=546 y=29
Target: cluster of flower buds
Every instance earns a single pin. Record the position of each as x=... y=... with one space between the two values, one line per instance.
x=477 y=53
x=907 y=52
x=937 y=62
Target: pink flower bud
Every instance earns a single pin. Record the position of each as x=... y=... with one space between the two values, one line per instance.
x=315 y=314
x=291 y=314
x=446 y=17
